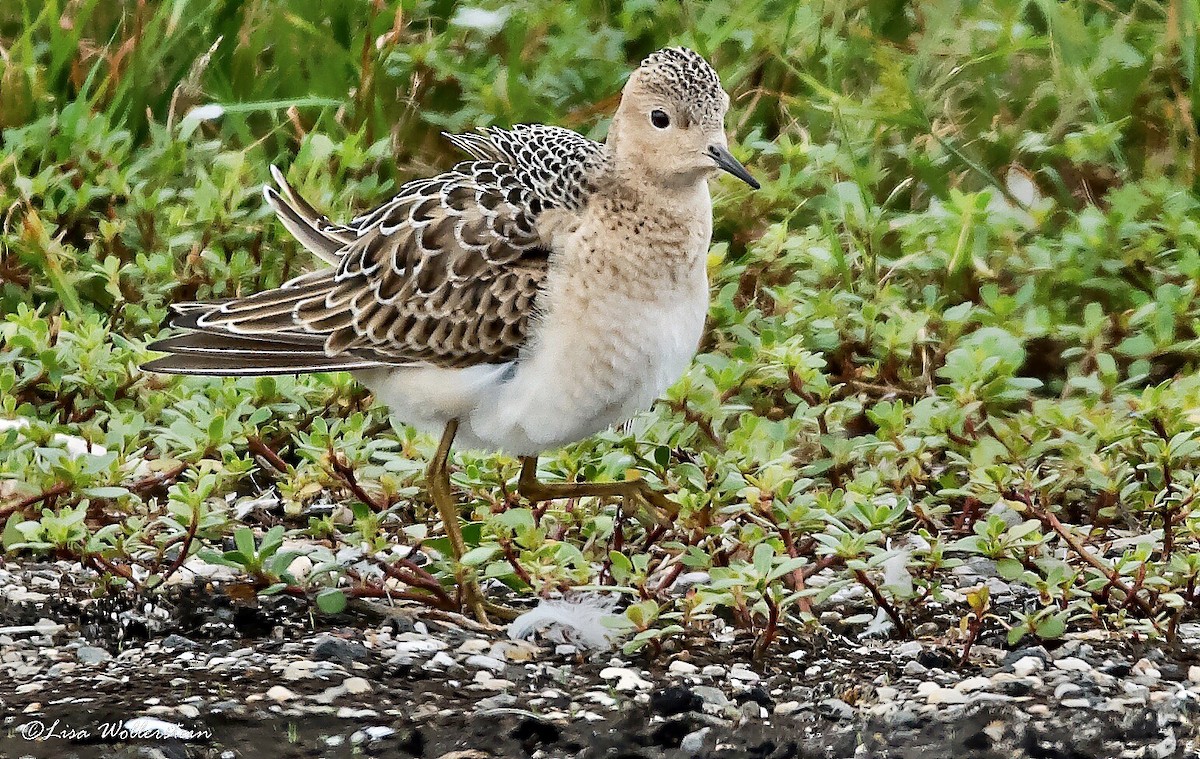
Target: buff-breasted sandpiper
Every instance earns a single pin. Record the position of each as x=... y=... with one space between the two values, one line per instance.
x=527 y=299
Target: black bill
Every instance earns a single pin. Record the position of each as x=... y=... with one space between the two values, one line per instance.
x=728 y=163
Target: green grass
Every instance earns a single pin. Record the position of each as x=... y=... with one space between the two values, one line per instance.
x=960 y=319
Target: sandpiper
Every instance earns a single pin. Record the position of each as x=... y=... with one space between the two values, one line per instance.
x=545 y=290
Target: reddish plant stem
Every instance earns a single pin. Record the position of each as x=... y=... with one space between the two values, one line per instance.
x=1051 y=521
x=345 y=473
x=513 y=561
x=185 y=547
x=881 y=601
x=59 y=488
x=261 y=449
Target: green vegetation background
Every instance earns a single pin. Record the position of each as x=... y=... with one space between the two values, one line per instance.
x=959 y=323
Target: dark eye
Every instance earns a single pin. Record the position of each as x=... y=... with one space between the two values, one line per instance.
x=660 y=119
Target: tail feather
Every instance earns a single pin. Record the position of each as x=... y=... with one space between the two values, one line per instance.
x=308 y=225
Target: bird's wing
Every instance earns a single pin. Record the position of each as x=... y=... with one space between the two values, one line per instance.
x=445 y=273
x=554 y=162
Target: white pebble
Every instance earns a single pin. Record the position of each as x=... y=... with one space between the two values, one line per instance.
x=356 y=685
x=1072 y=664
x=680 y=667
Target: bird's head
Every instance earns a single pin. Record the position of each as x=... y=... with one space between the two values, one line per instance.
x=670 y=126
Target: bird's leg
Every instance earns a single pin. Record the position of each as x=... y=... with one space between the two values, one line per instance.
x=437 y=478
x=661 y=508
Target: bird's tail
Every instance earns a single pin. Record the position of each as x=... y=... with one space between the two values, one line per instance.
x=313 y=229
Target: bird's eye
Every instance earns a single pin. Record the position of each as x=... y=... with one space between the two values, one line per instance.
x=660 y=119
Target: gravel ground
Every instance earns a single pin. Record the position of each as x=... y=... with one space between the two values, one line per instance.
x=208 y=675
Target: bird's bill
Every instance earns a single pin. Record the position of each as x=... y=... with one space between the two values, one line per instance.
x=726 y=162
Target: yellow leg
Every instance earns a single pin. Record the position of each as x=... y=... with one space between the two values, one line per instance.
x=437 y=478
x=662 y=508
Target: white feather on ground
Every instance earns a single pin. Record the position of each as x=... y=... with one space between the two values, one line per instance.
x=578 y=620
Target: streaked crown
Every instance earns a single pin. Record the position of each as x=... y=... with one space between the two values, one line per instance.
x=686 y=78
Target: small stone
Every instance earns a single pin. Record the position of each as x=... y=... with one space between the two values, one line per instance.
x=711 y=695
x=1072 y=664
x=886 y=694
x=280 y=694
x=517 y=651
x=499 y=701
x=743 y=675
x=565 y=649
x=341 y=651
x=1026 y=666
x=356 y=685
x=627 y=679
x=1066 y=689
x=945 y=696
x=480 y=661
x=329 y=695
x=1194 y=674
x=1076 y=703
x=474 y=646
x=675 y=700
x=440 y=660
x=914 y=667
x=174 y=641
x=299 y=670
x=1145 y=668
x=379 y=732
x=787 y=707
x=423 y=646
x=92 y=655
x=972 y=684
x=187 y=710
x=680 y=667
x=836 y=709
x=713 y=670
x=908 y=648
x=693 y=743
x=28 y=688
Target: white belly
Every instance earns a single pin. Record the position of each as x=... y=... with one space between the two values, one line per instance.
x=584 y=372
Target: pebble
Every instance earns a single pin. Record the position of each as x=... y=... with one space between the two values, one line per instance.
x=356 y=685
x=280 y=694
x=713 y=670
x=1066 y=689
x=914 y=667
x=440 y=660
x=92 y=655
x=299 y=670
x=627 y=679
x=786 y=707
x=1072 y=664
x=941 y=695
x=480 y=661
x=711 y=695
x=1194 y=674
x=424 y=646
x=474 y=646
x=1026 y=666
x=338 y=650
x=1076 y=703
x=680 y=667
x=972 y=684
x=743 y=675
x=836 y=709
x=908 y=648
x=693 y=743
